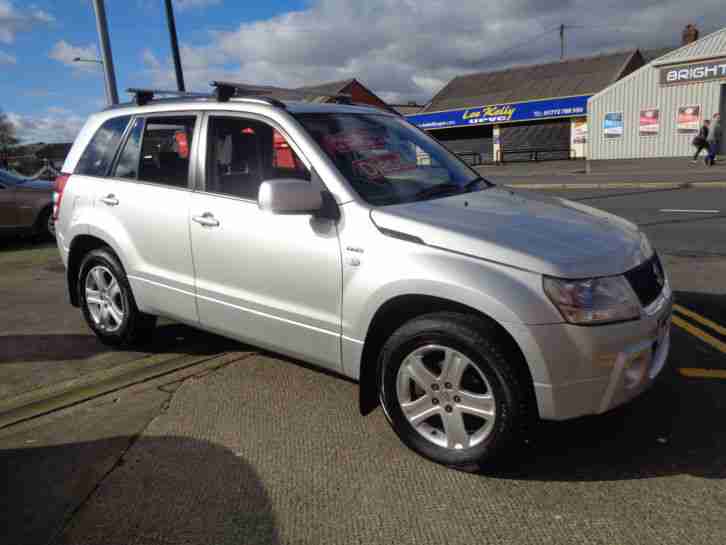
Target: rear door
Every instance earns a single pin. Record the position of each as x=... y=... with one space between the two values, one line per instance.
x=270 y=280
x=147 y=202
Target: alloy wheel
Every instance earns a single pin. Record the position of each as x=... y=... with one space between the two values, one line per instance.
x=445 y=397
x=104 y=299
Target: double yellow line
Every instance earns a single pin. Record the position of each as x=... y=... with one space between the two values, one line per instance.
x=679 y=320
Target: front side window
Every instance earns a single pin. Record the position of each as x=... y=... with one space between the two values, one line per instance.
x=386 y=160
x=165 y=150
x=99 y=153
x=243 y=153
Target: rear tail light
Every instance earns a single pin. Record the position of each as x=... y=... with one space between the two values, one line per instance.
x=60 y=185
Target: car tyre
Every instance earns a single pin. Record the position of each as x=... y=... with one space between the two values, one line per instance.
x=108 y=304
x=45 y=226
x=492 y=392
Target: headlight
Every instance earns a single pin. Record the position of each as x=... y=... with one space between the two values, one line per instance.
x=593 y=301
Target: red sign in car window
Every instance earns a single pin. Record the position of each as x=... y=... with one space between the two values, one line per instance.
x=378 y=166
x=182 y=144
x=356 y=140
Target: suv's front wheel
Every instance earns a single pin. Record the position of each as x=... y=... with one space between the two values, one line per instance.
x=107 y=302
x=451 y=391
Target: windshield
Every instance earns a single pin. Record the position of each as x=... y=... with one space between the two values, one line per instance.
x=388 y=161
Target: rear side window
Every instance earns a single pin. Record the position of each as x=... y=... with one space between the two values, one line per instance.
x=165 y=150
x=128 y=162
x=99 y=153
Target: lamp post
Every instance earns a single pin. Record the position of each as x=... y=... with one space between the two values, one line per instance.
x=109 y=73
x=95 y=61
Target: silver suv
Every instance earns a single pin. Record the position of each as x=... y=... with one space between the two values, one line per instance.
x=344 y=236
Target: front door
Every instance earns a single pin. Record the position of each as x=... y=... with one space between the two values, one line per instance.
x=722 y=114
x=270 y=280
x=8 y=211
x=147 y=200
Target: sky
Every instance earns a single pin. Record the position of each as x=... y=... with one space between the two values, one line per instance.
x=401 y=49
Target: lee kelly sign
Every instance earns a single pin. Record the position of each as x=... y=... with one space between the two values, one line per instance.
x=694 y=73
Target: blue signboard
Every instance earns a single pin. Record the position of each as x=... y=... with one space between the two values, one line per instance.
x=503 y=113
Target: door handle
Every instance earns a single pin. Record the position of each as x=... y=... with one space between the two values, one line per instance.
x=109 y=199
x=207 y=220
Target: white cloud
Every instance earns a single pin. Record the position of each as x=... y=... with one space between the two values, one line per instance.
x=408 y=49
x=58 y=110
x=7 y=58
x=65 y=53
x=188 y=4
x=54 y=126
x=14 y=20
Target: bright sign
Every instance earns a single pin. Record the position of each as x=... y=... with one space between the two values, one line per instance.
x=692 y=73
x=503 y=113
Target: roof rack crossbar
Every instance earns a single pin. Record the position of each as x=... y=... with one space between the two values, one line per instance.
x=224 y=90
x=144 y=96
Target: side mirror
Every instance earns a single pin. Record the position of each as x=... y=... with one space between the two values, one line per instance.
x=289 y=196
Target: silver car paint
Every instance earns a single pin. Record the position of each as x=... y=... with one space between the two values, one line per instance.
x=310 y=287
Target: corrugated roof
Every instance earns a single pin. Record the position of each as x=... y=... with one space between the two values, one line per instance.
x=406 y=109
x=649 y=55
x=713 y=45
x=584 y=76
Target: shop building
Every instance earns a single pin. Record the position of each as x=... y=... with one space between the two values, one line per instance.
x=526 y=112
x=324 y=92
x=657 y=110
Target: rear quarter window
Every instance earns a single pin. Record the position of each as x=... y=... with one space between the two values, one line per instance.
x=99 y=154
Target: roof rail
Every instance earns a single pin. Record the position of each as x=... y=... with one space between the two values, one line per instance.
x=144 y=96
x=224 y=90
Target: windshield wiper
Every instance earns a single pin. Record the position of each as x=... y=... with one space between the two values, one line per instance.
x=438 y=189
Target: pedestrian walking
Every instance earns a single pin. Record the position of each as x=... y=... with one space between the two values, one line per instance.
x=713 y=140
x=700 y=140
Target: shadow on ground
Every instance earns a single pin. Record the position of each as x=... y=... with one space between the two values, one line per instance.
x=163 y=490
x=170 y=338
x=24 y=242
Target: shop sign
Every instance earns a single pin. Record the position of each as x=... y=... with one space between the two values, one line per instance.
x=503 y=113
x=612 y=125
x=693 y=73
x=649 y=122
x=688 y=120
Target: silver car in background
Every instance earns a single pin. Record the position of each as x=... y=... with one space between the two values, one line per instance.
x=345 y=237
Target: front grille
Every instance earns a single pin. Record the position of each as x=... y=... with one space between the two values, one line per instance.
x=647 y=280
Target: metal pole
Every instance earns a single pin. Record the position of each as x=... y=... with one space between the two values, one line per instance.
x=562 y=42
x=102 y=26
x=174 y=45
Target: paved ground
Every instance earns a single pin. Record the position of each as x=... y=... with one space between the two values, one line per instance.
x=684 y=222
x=569 y=172
x=250 y=448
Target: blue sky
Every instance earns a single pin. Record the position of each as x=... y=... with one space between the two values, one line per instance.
x=401 y=49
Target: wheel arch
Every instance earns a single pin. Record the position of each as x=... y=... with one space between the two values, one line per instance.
x=80 y=246
x=398 y=310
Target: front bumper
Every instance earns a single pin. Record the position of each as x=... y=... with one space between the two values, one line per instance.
x=589 y=370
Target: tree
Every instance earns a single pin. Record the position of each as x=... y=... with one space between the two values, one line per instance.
x=7 y=138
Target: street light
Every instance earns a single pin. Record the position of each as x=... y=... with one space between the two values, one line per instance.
x=97 y=61
x=79 y=59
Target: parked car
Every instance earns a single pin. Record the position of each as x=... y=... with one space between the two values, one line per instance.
x=25 y=206
x=468 y=310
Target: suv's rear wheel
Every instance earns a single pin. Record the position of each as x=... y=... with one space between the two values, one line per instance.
x=450 y=391
x=107 y=302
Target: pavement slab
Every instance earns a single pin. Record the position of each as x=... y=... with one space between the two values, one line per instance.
x=269 y=451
